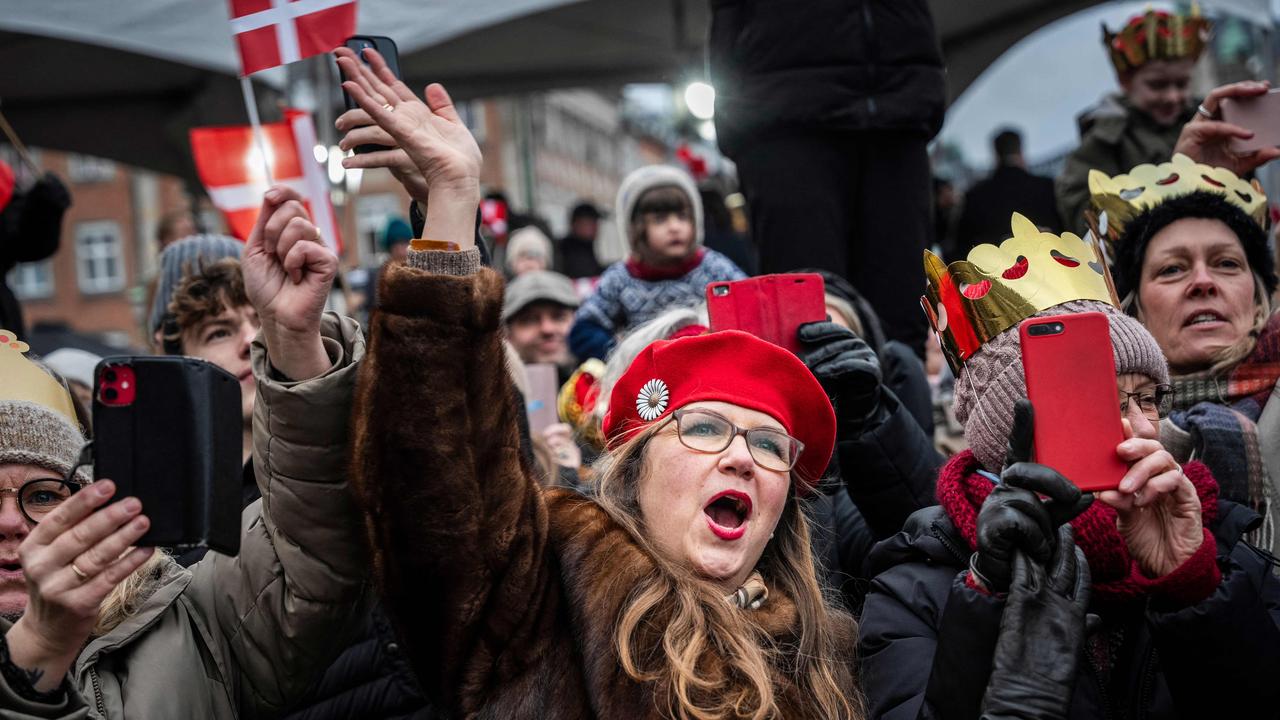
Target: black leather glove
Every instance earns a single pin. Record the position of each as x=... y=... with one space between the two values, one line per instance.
x=1033 y=671
x=847 y=368
x=1014 y=517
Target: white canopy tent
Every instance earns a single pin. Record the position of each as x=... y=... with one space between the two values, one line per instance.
x=127 y=79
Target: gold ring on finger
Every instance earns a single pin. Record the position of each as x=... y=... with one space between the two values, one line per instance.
x=388 y=107
x=79 y=573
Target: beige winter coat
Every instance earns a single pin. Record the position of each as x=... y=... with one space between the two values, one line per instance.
x=244 y=637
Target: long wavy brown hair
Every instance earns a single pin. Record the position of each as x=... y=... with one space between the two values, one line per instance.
x=703 y=655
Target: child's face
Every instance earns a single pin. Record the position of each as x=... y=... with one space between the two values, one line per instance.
x=668 y=235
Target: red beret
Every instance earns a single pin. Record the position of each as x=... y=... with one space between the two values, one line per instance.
x=732 y=367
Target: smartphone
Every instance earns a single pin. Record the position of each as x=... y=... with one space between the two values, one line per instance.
x=543 y=389
x=386 y=47
x=771 y=307
x=1261 y=114
x=1071 y=381
x=168 y=430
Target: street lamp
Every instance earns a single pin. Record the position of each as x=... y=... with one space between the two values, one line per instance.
x=700 y=98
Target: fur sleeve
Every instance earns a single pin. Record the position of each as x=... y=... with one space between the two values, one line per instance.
x=457 y=526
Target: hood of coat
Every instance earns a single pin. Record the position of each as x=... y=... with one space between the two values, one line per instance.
x=928 y=535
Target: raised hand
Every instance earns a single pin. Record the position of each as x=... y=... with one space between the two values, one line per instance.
x=1157 y=507
x=1033 y=669
x=431 y=134
x=288 y=274
x=847 y=368
x=1014 y=516
x=1208 y=140
x=72 y=560
x=362 y=130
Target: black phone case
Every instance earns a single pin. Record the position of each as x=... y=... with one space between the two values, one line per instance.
x=386 y=47
x=177 y=448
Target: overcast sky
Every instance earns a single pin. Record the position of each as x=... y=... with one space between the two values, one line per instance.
x=1039 y=86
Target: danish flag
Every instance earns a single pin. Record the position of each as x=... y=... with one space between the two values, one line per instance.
x=276 y=32
x=230 y=167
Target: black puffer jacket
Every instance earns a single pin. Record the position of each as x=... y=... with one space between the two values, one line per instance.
x=370 y=679
x=837 y=65
x=926 y=638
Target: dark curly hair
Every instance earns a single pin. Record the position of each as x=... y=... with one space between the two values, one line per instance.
x=1132 y=247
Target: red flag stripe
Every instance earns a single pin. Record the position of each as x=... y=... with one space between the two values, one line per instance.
x=277 y=32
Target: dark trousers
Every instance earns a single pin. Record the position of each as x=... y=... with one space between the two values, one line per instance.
x=857 y=204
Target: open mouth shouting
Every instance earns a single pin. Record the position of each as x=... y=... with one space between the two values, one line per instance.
x=1205 y=317
x=728 y=514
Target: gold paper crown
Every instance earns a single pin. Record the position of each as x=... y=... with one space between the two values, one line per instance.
x=23 y=381
x=974 y=300
x=1118 y=200
x=1157 y=36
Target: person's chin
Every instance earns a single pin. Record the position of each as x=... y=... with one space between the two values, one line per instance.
x=13 y=602
x=718 y=563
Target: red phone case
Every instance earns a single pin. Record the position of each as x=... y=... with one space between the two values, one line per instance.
x=1071 y=382
x=771 y=307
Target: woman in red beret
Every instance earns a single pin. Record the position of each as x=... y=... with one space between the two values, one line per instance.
x=685 y=588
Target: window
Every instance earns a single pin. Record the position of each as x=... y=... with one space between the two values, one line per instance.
x=32 y=281
x=87 y=169
x=99 y=259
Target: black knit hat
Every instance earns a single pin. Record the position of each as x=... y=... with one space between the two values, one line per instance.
x=1132 y=246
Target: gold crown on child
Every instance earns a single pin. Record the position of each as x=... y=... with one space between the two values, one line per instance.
x=1157 y=35
x=973 y=300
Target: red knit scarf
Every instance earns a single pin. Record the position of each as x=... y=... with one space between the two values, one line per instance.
x=1115 y=577
x=641 y=270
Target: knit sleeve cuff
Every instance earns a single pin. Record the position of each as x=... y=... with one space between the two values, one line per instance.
x=440 y=262
x=1189 y=583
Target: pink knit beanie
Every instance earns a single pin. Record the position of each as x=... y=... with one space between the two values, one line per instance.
x=992 y=380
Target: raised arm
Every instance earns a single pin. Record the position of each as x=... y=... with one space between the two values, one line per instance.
x=457 y=525
x=281 y=610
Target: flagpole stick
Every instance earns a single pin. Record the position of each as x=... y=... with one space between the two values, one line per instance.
x=17 y=144
x=251 y=106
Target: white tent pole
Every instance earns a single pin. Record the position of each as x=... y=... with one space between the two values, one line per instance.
x=251 y=105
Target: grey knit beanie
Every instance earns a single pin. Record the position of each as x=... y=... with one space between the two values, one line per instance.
x=32 y=434
x=992 y=380
x=188 y=255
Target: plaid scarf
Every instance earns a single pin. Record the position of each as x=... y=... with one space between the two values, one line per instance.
x=1221 y=413
x=1245 y=387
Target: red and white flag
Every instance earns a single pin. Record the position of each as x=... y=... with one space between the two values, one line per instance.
x=230 y=166
x=276 y=32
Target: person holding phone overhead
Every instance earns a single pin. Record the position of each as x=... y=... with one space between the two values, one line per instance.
x=1020 y=596
x=686 y=587
x=93 y=627
x=1193 y=264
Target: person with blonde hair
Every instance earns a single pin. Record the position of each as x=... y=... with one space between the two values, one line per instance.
x=94 y=627
x=685 y=589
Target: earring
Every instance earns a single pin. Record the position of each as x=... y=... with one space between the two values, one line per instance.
x=770 y=536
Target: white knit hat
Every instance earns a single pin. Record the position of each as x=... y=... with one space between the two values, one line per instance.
x=646 y=178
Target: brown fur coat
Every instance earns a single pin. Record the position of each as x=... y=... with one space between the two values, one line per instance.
x=506 y=595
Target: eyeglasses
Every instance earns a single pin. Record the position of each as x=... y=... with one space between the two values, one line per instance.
x=1155 y=403
x=709 y=432
x=38 y=498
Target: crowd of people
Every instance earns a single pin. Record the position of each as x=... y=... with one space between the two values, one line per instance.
x=711 y=526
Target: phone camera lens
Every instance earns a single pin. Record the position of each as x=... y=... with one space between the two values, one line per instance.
x=110 y=375
x=110 y=394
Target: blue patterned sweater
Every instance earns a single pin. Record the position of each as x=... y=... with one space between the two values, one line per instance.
x=622 y=301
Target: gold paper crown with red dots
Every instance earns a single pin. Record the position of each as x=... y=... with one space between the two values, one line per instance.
x=1118 y=200
x=23 y=381
x=973 y=300
x=1157 y=36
